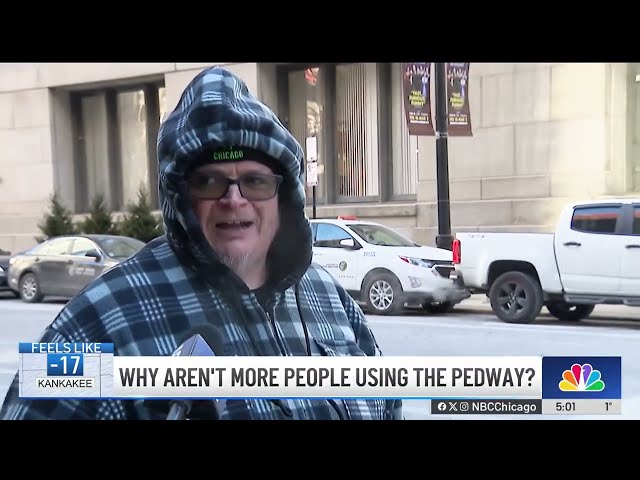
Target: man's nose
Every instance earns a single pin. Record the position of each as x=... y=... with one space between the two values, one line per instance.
x=233 y=196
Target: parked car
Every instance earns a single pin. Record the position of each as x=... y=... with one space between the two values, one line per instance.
x=592 y=258
x=64 y=265
x=5 y=256
x=384 y=269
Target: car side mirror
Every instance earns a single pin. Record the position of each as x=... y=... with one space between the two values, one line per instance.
x=93 y=253
x=348 y=243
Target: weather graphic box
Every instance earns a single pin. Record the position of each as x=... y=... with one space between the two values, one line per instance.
x=65 y=370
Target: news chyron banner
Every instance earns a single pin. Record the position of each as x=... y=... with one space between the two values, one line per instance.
x=518 y=385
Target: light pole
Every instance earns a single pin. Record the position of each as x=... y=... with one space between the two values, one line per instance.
x=444 y=239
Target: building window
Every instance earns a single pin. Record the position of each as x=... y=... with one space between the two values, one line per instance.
x=98 y=175
x=404 y=147
x=356 y=124
x=355 y=111
x=115 y=149
x=133 y=142
x=162 y=98
x=306 y=114
x=633 y=126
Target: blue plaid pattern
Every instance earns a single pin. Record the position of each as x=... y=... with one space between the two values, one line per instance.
x=147 y=304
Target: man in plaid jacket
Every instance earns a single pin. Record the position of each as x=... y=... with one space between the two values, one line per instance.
x=237 y=254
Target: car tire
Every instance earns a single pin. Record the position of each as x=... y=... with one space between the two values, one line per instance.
x=30 y=289
x=516 y=297
x=383 y=294
x=569 y=312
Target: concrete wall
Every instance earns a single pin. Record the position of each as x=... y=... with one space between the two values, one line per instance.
x=26 y=168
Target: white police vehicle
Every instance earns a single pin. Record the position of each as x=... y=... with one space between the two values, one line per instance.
x=383 y=269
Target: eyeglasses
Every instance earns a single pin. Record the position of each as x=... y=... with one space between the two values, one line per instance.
x=253 y=186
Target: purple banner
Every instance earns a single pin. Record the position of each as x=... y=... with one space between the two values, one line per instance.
x=416 y=83
x=459 y=118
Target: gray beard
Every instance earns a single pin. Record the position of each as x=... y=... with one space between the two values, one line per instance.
x=239 y=264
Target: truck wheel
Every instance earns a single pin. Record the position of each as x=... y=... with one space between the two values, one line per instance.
x=568 y=311
x=516 y=297
x=383 y=294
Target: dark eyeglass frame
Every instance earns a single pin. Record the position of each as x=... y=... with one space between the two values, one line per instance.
x=233 y=181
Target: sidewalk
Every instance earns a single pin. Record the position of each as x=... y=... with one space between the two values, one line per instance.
x=481 y=302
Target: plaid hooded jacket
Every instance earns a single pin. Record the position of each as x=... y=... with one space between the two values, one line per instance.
x=148 y=304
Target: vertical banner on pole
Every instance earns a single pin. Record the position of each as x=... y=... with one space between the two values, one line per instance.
x=459 y=116
x=416 y=90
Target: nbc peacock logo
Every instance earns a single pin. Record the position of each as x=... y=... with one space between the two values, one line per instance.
x=581 y=378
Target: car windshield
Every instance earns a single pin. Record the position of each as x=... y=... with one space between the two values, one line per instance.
x=122 y=247
x=382 y=236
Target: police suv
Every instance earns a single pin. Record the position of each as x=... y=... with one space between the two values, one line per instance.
x=383 y=269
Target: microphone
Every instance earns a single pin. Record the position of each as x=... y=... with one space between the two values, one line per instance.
x=203 y=341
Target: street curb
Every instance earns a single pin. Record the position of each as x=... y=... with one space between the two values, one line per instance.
x=481 y=301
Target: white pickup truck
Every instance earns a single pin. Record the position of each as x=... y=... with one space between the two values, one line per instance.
x=592 y=258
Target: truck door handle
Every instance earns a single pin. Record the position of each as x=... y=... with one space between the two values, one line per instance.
x=572 y=244
x=633 y=245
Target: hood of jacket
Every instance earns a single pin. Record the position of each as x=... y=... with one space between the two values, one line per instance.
x=217 y=110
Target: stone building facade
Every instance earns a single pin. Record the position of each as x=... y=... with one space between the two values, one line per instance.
x=543 y=134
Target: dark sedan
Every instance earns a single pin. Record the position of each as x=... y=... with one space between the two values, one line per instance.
x=4 y=269
x=62 y=266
